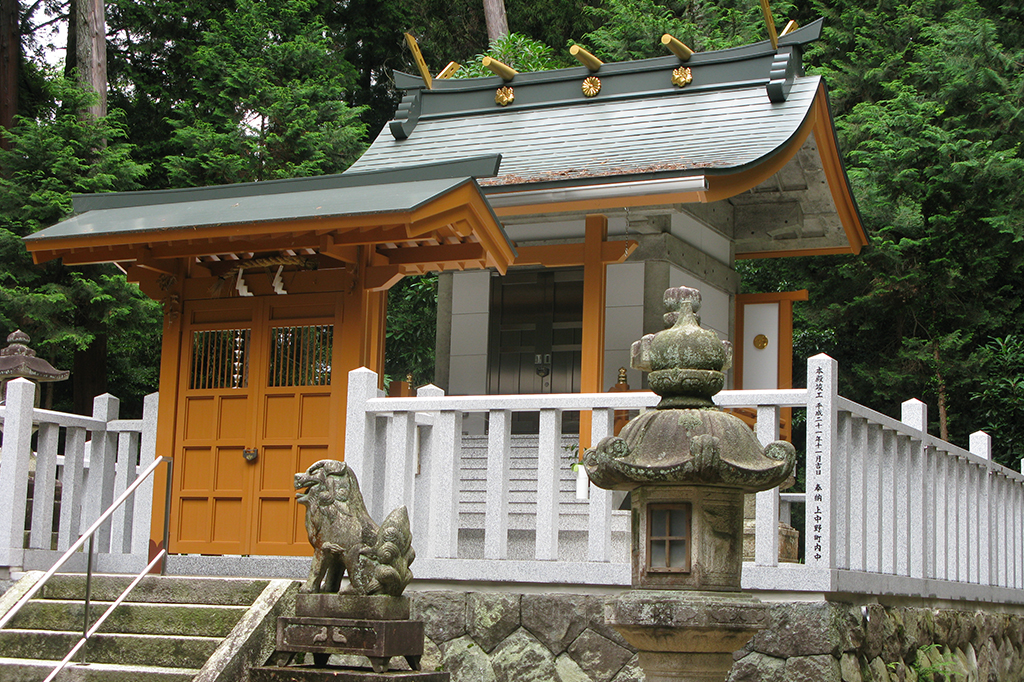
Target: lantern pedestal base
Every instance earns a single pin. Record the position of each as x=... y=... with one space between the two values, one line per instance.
x=686 y=637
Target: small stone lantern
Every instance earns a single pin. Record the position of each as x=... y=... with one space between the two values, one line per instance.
x=687 y=464
x=18 y=360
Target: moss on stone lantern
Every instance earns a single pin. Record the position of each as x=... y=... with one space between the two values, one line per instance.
x=687 y=464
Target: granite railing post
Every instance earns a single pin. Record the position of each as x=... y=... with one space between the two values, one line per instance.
x=599 y=521
x=359 y=425
x=914 y=414
x=822 y=479
x=499 y=456
x=980 y=444
x=44 y=487
x=73 y=489
x=766 y=519
x=144 y=494
x=102 y=461
x=14 y=467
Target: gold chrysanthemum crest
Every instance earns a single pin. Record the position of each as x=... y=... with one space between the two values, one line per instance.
x=504 y=96
x=591 y=86
x=681 y=76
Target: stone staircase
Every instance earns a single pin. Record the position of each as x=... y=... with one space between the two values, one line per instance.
x=169 y=630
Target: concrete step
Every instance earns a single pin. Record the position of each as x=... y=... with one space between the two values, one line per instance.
x=120 y=649
x=205 y=620
x=158 y=589
x=22 y=670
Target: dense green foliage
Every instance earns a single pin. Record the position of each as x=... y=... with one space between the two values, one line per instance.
x=522 y=53
x=412 y=327
x=66 y=310
x=928 y=102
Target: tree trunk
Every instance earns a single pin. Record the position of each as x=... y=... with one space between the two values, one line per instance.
x=91 y=51
x=943 y=425
x=494 y=15
x=71 y=54
x=89 y=374
x=10 y=57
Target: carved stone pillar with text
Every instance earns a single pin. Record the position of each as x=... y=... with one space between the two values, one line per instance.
x=688 y=465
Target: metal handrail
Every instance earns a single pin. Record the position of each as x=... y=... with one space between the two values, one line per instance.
x=89 y=535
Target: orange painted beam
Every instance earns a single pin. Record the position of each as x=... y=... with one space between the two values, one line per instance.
x=562 y=255
x=446 y=253
x=595 y=286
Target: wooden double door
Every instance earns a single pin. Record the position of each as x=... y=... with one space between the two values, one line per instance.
x=255 y=402
x=535 y=339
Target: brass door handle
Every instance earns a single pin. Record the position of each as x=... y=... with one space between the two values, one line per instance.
x=250 y=454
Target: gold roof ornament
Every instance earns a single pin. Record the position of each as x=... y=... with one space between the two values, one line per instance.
x=421 y=64
x=790 y=27
x=504 y=96
x=506 y=72
x=448 y=71
x=770 y=23
x=682 y=77
x=585 y=58
x=591 y=86
x=677 y=47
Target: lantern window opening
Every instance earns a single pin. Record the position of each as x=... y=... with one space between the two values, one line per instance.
x=668 y=537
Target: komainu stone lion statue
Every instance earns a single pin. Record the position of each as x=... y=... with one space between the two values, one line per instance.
x=346 y=540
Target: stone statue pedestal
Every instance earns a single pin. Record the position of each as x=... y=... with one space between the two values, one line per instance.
x=685 y=636
x=376 y=627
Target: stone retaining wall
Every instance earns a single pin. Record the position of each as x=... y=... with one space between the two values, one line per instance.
x=509 y=637
x=833 y=642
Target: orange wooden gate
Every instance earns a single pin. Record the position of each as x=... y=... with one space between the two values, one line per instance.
x=255 y=400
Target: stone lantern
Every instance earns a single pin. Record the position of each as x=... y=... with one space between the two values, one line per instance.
x=18 y=360
x=687 y=464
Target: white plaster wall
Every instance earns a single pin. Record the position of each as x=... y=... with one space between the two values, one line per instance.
x=624 y=320
x=470 y=322
x=761 y=367
x=714 y=309
x=704 y=238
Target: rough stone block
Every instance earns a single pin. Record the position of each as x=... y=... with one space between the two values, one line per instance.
x=802 y=630
x=594 y=607
x=567 y=670
x=555 y=620
x=874 y=628
x=521 y=658
x=598 y=656
x=443 y=614
x=466 y=661
x=491 y=617
x=823 y=668
x=631 y=672
x=756 y=667
x=878 y=670
x=849 y=668
x=432 y=657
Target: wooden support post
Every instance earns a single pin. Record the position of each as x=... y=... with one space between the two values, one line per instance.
x=595 y=283
x=172 y=346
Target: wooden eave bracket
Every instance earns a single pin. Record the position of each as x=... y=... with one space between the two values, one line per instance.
x=346 y=253
x=382 y=277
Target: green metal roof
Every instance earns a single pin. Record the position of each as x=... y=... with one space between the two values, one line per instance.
x=393 y=191
x=742 y=105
